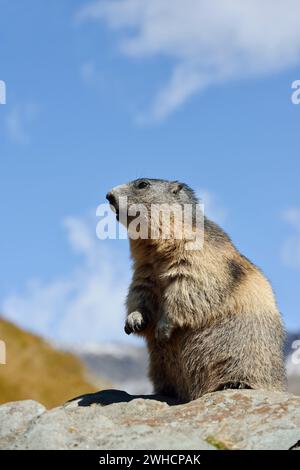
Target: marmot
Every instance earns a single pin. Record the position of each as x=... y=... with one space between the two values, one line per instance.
x=208 y=315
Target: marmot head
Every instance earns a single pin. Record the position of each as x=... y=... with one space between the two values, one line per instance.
x=147 y=191
x=153 y=208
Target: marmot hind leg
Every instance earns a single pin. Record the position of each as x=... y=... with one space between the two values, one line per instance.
x=161 y=384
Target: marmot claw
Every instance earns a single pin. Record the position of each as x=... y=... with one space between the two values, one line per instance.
x=135 y=323
x=163 y=331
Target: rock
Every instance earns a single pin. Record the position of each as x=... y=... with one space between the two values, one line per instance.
x=112 y=419
x=15 y=418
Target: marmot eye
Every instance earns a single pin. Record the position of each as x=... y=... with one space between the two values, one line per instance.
x=142 y=185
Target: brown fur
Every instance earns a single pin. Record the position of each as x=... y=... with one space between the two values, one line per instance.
x=209 y=317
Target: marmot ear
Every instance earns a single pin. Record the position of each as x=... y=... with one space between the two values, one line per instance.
x=176 y=187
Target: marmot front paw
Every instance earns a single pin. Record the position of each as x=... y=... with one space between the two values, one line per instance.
x=135 y=323
x=163 y=330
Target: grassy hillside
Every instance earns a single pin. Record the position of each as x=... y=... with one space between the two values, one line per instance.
x=35 y=370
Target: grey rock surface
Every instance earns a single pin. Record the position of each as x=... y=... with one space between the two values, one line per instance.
x=112 y=419
x=15 y=418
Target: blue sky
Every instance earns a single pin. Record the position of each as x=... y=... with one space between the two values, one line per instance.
x=101 y=93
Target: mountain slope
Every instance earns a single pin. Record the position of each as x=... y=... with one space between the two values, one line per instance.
x=125 y=365
x=35 y=370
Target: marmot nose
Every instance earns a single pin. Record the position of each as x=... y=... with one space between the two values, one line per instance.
x=111 y=198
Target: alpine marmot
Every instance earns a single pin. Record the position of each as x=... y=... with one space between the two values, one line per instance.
x=208 y=314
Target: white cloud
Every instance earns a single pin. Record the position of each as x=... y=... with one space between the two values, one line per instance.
x=208 y=41
x=292 y=217
x=290 y=252
x=212 y=208
x=88 y=72
x=85 y=306
x=18 y=121
x=96 y=78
